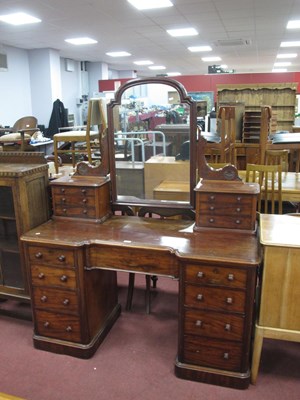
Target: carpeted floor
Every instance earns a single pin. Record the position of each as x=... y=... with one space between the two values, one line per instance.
x=136 y=360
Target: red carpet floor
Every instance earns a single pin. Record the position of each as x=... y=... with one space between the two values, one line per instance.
x=136 y=360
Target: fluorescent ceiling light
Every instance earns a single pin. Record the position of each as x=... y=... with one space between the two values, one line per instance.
x=282 y=64
x=291 y=55
x=157 y=67
x=182 y=32
x=290 y=44
x=19 y=19
x=143 y=62
x=118 y=54
x=293 y=24
x=279 y=70
x=195 y=49
x=79 y=41
x=149 y=4
x=211 y=58
x=173 y=73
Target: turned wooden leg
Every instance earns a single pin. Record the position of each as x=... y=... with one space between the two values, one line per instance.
x=154 y=279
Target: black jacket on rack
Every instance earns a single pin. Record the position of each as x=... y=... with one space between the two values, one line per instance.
x=58 y=119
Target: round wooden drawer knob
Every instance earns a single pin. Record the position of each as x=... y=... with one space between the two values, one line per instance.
x=64 y=278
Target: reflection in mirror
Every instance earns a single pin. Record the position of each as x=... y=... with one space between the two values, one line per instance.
x=152 y=129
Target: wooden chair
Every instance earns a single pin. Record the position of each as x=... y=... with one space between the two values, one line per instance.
x=270 y=182
x=21 y=132
x=162 y=213
x=278 y=157
x=95 y=117
x=224 y=150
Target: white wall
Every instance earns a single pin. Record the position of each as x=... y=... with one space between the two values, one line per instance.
x=70 y=87
x=36 y=78
x=45 y=82
x=15 y=93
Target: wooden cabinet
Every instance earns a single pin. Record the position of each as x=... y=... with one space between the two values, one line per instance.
x=23 y=205
x=216 y=313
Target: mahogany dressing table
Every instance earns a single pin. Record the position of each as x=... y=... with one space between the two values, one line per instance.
x=73 y=260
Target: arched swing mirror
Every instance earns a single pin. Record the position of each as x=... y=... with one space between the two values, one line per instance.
x=152 y=136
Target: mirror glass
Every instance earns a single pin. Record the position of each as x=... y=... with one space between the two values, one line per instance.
x=150 y=134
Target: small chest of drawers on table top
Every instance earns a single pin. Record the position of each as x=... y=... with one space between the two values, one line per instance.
x=81 y=197
x=226 y=205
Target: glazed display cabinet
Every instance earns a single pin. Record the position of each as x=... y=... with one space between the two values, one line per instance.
x=23 y=205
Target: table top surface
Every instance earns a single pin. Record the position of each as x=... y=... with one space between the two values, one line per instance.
x=280 y=230
x=175 y=237
x=286 y=138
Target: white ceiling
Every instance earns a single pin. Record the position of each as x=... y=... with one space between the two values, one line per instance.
x=119 y=26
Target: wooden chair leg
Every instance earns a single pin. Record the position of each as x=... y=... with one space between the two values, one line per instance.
x=73 y=154
x=257 y=347
x=130 y=291
x=148 y=293
x=56 y=161
x=154 y=279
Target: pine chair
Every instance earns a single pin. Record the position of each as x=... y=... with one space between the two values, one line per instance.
x=95 y=117
x=20 y=134
x=278 y=157
x=162 y=213
x=270 y=182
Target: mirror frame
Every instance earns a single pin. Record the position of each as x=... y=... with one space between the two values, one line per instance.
x=184 y=99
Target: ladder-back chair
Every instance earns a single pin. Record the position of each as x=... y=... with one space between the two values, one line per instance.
x=270 y=182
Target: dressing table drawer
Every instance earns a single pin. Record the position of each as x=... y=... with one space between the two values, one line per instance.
x=70 y=192
x=55 y=277
x=218 y=276
x=56 y=300
x=215 y=298
x=212 y=353
x=214 y=325
x=58 y=325
x=223 y=200
x=83 y=211
x=220 y=220
x=51 y=256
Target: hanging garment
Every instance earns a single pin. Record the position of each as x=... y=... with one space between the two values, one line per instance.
x=58 y=119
